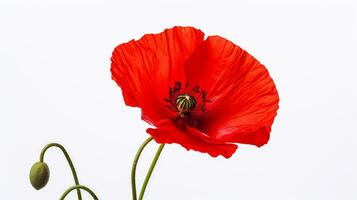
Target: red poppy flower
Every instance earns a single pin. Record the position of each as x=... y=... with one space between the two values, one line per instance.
x=204 y=94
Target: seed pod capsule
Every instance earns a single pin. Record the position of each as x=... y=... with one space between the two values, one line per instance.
x=185 y=103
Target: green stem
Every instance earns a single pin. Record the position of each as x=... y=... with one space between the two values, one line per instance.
x=68 y=160
x=135 y=163
x=151 y=169
x=78 y=187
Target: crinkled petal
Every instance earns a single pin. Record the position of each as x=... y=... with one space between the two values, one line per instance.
x=144 y=69
x=244 y=100
x=190 y=138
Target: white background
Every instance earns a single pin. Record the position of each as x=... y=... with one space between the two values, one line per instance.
x=55 y=86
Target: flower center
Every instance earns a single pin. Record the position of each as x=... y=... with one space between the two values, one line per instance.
x=189 y=102
x=185 y=103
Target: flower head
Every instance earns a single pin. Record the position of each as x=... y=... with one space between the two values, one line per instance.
x=204 y=94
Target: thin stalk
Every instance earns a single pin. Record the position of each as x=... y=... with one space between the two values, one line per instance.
x=74 y=173
x=151 y=169
x=135 y=163
x=78 y=187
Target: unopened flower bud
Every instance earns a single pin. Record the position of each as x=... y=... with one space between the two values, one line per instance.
x=39 y=175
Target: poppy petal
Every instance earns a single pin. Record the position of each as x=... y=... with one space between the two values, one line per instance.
x=190 y=138
x=144 y=69
x=244 y=100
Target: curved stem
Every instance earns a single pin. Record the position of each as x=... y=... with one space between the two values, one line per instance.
x=75 y=177
x=151 y=169
x=135 y=163
x=78 y=187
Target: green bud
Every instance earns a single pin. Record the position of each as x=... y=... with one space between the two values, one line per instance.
x=39 y=175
